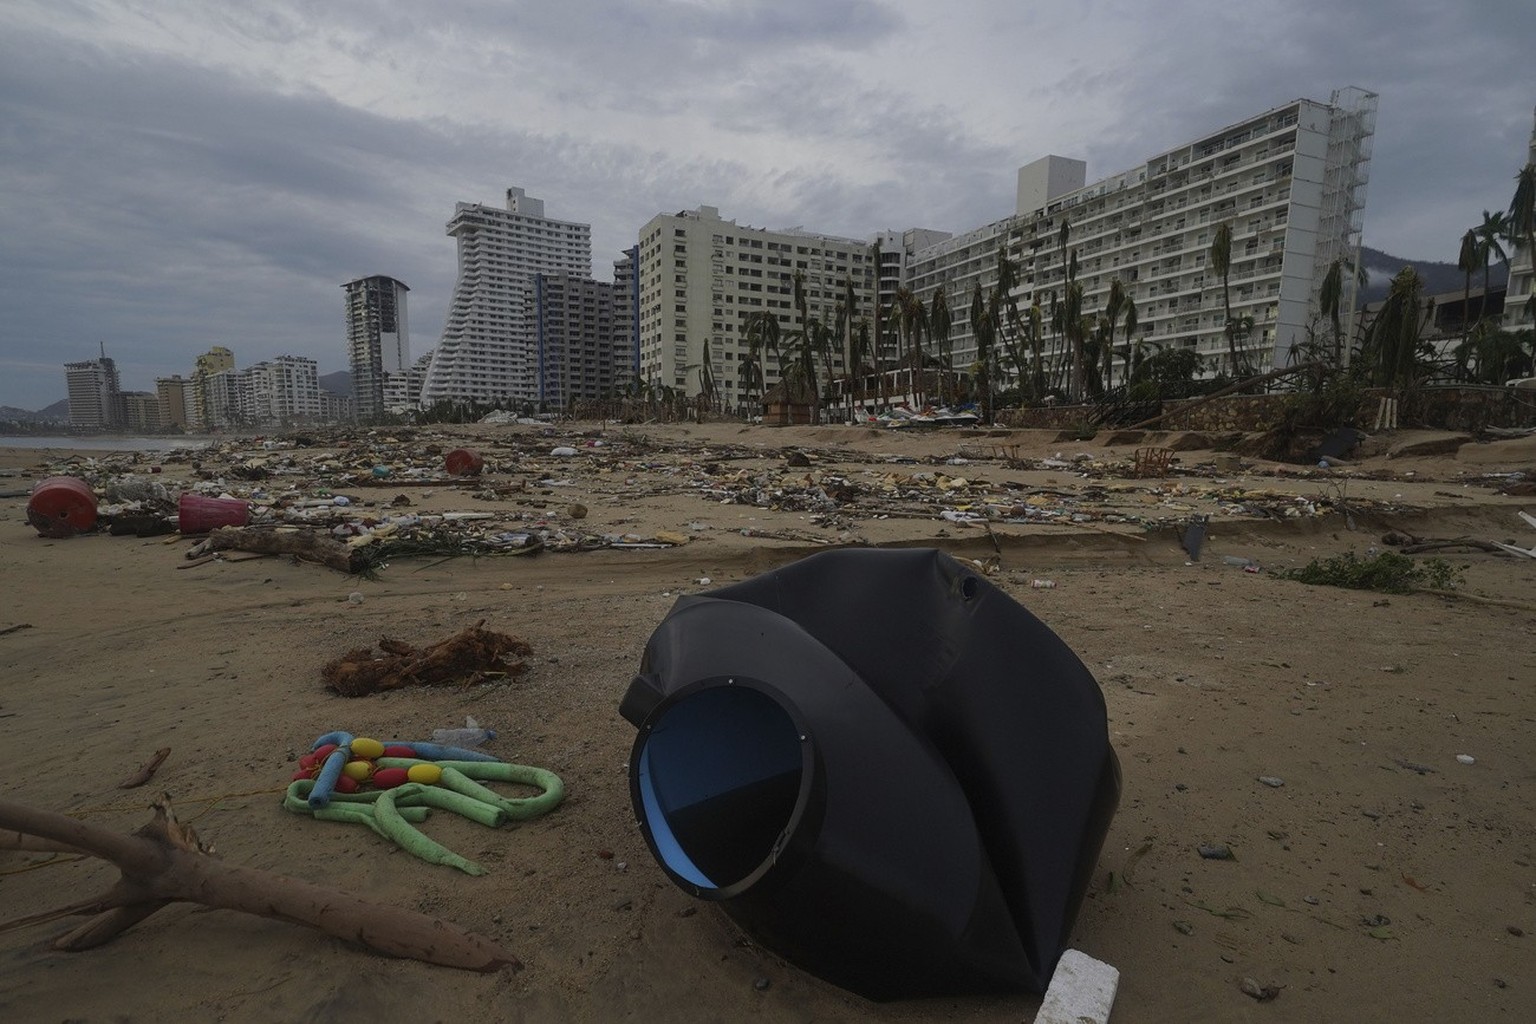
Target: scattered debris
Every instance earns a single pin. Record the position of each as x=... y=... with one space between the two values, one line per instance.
x=307 y=545
x=466 y=658
x=146 y=770
x=390 y=787
x=61 y=507
x=1263 y=993
x=1216 y=851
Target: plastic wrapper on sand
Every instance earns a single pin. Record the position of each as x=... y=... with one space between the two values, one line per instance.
x=883 y=767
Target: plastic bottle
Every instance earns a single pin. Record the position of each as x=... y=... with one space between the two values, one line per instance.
x=472 y=735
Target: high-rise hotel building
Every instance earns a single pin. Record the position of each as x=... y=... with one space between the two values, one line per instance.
x=95 y=393
x=1290 y=182
x=378 y=340
x=701 y=278
x=488 y=349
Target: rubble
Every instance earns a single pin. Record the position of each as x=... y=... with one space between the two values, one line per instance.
x=543 y=488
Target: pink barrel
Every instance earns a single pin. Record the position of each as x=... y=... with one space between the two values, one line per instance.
x=61 y=506
x=197 y=513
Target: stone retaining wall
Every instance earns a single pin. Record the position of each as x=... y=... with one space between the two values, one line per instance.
x=1441 y=408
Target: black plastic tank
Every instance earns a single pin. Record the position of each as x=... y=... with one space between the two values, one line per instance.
x=884 y=768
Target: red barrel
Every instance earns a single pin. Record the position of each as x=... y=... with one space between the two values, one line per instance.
x=463 y=462
x=61 y=506
x=197 y=513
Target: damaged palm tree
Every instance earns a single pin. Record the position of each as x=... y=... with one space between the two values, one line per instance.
x=466 y=658
x=166 y=862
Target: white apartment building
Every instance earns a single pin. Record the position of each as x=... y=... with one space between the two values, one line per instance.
x=701 y=278
x=378 y=339
x=402 y=388
x=227 y=400
x=1520 y=299
x=487 y=350
x=270 y=393
x=896 y=250
x=626 y=318
x=284 y=390
x=1290 y=181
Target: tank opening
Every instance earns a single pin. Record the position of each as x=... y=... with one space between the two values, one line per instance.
x=719 y=775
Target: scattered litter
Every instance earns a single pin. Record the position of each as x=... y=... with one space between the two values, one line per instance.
x=61 y=506
x=1194 y=536
x=1216 y=851
x=197 y=513
x=1082 y=991
x=463 y=462
x=389 y=787
x=1466 y=759
x=1263 y=993
x=470 y=736
x=466 y=658
x=1272 y=781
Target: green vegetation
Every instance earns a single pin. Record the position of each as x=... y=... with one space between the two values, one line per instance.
x=1387 y=572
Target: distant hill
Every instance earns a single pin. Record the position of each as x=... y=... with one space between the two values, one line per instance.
x=1438 y=278
x=338 y=383
x=58 y=412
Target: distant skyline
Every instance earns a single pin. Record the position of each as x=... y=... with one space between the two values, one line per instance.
x=176 y=174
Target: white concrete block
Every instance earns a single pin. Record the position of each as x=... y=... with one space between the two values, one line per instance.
x=1082 y=991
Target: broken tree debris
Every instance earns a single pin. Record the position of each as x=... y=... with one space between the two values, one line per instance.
x=146 y=770
x=466 y=658
x=165 y=862
x=306 y=545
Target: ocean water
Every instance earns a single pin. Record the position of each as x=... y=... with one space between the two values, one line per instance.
x=104 y=443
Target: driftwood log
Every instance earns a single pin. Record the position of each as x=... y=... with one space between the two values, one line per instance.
x=308 y=545
x=165 y=862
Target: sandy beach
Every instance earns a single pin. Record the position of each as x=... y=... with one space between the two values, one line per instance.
x=1385 y=880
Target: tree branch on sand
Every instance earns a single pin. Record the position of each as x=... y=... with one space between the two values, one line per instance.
x=165 y=862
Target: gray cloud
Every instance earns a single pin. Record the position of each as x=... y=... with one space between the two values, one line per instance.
x=177 y=174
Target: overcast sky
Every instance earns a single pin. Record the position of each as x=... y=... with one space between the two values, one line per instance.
x=176 y=174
